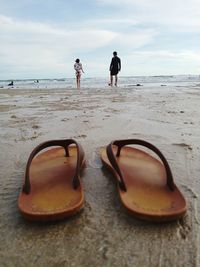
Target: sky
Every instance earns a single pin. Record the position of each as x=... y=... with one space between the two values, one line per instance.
x=42 y=39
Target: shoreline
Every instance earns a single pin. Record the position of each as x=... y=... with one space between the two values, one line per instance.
x=102 y=82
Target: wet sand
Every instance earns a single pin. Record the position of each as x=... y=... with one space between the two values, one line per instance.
x=103 y=234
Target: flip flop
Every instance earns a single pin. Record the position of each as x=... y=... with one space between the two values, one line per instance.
x=52 y=188
x=145 y=184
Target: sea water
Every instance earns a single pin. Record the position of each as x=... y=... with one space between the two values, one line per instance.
x=102 y=82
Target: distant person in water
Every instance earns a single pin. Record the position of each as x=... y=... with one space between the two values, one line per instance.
x=115 y=67
x=78 y=68
x=11 y=83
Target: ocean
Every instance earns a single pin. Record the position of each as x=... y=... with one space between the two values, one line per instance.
x=98 y=82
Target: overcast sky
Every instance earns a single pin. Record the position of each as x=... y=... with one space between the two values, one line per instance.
x=42 y=39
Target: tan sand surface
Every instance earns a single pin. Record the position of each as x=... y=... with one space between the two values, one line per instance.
x=103 y=234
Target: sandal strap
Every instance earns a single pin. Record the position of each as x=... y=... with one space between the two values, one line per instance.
x=120 y=144
x=63 y=143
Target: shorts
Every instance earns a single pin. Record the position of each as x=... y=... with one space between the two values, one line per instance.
x=113 y=72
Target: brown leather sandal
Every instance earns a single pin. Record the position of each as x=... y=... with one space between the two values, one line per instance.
x=145 y=185
x=52 y=188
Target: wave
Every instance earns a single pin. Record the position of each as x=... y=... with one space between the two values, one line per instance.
x=102 y=82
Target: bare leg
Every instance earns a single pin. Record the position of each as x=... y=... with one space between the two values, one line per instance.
x=111 y=81
x=78 y=85
x=115 y=80
x=78 y=81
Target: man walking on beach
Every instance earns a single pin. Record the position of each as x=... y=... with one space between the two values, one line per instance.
x=115 y=67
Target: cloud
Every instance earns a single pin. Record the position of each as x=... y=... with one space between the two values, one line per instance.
x=152 y=35
x=136 y=39
x=46 y=34
x=33 y=47
x=177 y=14
x=184 y=55
x=126 y=32
x=39 y=46
x=114 y=23
x=161 y=62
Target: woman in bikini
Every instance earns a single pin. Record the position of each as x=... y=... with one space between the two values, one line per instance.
x=78 y=68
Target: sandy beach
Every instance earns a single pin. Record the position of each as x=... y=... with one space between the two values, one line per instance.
x=103 y=234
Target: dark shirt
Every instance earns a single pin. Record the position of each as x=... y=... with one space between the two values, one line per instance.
x=115 y=64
